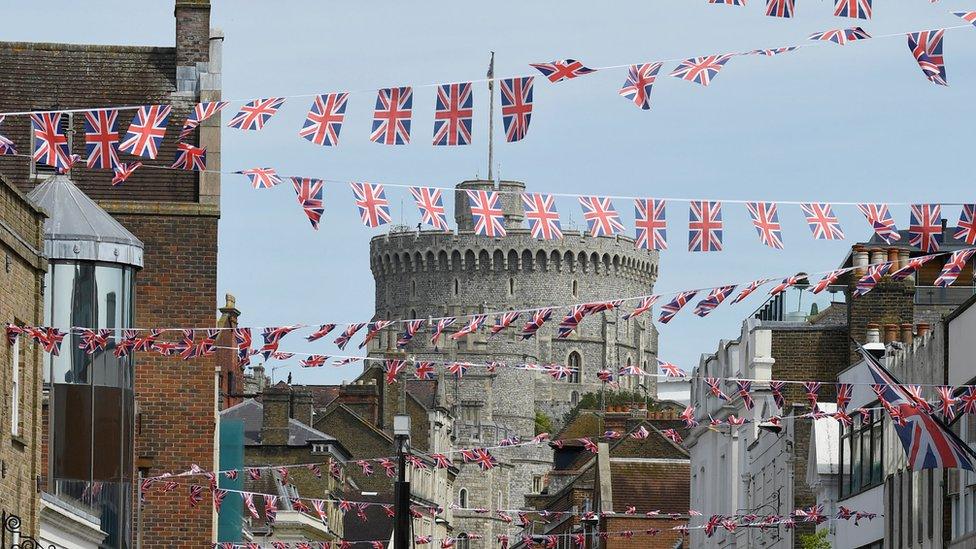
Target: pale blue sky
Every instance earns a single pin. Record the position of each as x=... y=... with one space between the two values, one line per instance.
x=830 y=123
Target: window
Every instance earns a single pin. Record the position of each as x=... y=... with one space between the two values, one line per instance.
x=462 y=541
x=413 y=288
x=575 y=363
x=457 y=287
x=537 y=484
x=575 y=289
x=318 y=448
x=860 y=453
x=574 y=398
x=15 y=389
x=463 y=498
x=230 y=383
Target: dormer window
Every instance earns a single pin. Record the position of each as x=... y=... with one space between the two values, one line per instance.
x=319 y=448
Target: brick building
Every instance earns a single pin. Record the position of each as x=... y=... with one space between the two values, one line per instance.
x=21 y=302
x=173 y=213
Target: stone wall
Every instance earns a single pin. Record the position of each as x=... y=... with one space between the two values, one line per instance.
x=22 y=268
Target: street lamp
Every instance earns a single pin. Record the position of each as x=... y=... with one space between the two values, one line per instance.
x=401 y=491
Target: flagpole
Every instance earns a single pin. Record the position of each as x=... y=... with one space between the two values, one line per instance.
x=491 y=115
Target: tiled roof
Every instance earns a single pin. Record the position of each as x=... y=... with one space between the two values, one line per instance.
x=650 y=485
x=585 y=424
x=252 y=413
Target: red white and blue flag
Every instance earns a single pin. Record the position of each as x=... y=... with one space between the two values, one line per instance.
x=645 y=305
x=566 y=69
x=190 y=157
x=453 y=114
x=841 y=36
x=486 y=209
x=855 y=9
x=538 y=319
x=458 y=369
x=715 y=389
x=925 y=227
x=953 y=268
x=822 y=221
x=928 y=442
x=392 y=369
x=670 y=370
x=572 y=319
x=751 y=287
x=473 y=325
x=637 y=87
x=650 y=224
x=201 y=112
x=701 y=70
x=50 y=142
x=322 y=331
x=410 y=329
x=967 y=225
x=146 y=132
x=765 y=219
x=374 y=208
x=926 y=47
x=540 y=213
x=439 y=327
x=314 y=361
x=391 y=118
x=672 y=307
x=255 y=114
x=947 y=402
x=913 y=265
x=871 y=279
x=713 y=300
x=242 y=341
x=704 y=226
x=968 y=16
x=373 y=329
x=774 y=51
x=261 y=178
x=102 y=139
x=424 y=370
x=309 y=193
x=881 y=221
x=828 y=280
x=516 y=107
x=780 y=8
x=348 y=334
x=601 y=217
x=745 y=391
x=728 y=2
x=503 y=321
x=324 y=119
x=787 y=283
x=430 y=202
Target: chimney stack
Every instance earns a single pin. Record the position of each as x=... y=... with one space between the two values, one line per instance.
x=302 y=408
x=276 y=403
x=192 y=42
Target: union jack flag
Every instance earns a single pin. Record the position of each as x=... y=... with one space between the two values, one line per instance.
x=637 y=87
x=93 y=340
x=640 y=433
x=50 y=143
x=925 y=227
x=968 y=16
x=431 y=205
x=272 y=337
x=324 y=119
x=701 y=70
x=348 y=334
x=953 y=268
x=196 y=495
x=516 y=107
x=589 y=445
x=704 y=226
x=539 y=318
x=672 y=307
x=439 y=327
x=201 y=112
x=473 y=325
x=780 y=8
x=124 y=346
x=314 y=361
x=601 y=217
x=453 y=114
x=374 y=209
x=424 y=370
x=968 y=400
x=319 y=506
x=571 y=321
x=392 y=369
x=190 y=157
x=822 y=221
x=713 y=300
x=102 y=138
x=926 y=46
x=844 y=392
x=503 y=321
x=557 y=71
x=321 y=332
x=410 y=330
x=254 y=115
x=486 y=209
x=867 y=282
x=774 y=51
x=650 y=224
x=270 y=507
x=714 y=389
x=828 y=280
x=558 y=372
x=915 y=393
x=374 y=330
x=261 y=178
x=787 y=282
x=881 y=221
x=765 y=219
x=540 y=213
x=146 y=132
x=242 y=341
x=967 y=225
x=7 y=146
x=670 y=369
x=248 y=498
x=309 y=194
x=841 y=36
x=458 y=369
x=812 y=389
x=855 y=9
x=672 y=435
x=913 y=265
x=644 y=306
x=928 y=442
x=391 y=118
x=441 y=461
x=218 y=498
x=776 y=387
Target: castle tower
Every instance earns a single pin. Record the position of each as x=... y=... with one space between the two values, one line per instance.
x=427 y=273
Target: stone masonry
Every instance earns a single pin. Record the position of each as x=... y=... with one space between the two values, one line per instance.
x=422 y=274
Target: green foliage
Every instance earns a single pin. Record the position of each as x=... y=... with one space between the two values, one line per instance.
x=592 y=401
x=814 y=541
x=543 y=423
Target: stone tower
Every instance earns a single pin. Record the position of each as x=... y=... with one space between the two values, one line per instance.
x=426 y=273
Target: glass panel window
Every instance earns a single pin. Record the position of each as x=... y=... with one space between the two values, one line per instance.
x=861 y=453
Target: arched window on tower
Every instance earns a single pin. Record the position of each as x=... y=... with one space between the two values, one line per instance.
x=413 y=288
x=462 y=541
x=575 y=363
x=457 y=287
x=574 y=398
x=511 y=286
x=463 y=498
x=575 y=288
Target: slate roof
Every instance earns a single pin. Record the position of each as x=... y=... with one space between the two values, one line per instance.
x=252 y=413
x=650 y=485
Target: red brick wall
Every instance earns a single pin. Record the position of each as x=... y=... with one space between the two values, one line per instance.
x=665 y=539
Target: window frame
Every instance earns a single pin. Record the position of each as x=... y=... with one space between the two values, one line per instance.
x=861 y=454
x=16 y=387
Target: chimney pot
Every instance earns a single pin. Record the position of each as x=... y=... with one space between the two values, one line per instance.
x=860 y=260
x=890 y=333
x=922 y=329
x=873 y=334
x=907 y=334
x=893 y=258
